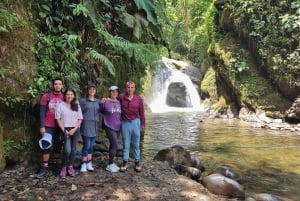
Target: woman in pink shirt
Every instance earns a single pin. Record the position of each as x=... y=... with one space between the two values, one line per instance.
x=69 y=117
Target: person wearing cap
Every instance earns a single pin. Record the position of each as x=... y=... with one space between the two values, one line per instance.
x=90 y=107
x=133 y=124
x=69 y=117
x=111 y=110
x=48 y=103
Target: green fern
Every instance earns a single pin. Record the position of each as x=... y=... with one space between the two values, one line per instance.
x=96 y=56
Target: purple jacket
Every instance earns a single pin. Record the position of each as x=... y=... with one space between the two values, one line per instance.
x=132 y=109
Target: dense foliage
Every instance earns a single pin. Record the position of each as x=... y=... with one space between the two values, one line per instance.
x=107 y=42
x=275 y=27
x=190 y=31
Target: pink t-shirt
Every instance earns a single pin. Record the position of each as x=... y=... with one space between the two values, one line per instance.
x=68 y=117
x=55 y=99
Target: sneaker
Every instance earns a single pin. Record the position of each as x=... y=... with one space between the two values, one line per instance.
x=123 y=168
x=63 y=172
x=83 y=167
x=115 y=166
x=112 y=168
x=89 y=166
x=71 y=171
x=43 y=173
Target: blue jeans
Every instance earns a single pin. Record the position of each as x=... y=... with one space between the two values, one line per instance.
x=88 y=143
x=131 y=133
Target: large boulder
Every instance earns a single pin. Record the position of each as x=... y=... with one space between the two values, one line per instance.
x=221 y=185
x=293 y=113
x=180 y=160
x=175 y=155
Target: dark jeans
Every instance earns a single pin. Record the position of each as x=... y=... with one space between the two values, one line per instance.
x=113 y=146
x=70 y=149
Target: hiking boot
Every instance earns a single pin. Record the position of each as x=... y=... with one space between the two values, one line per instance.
x=89 y=166
x=124 y=167
x=63 y=172
x=71 y=171
x=83 y=167
x=112 y=168
x=137 y=167
x=43 y=173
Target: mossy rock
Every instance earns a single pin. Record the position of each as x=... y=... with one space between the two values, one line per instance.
x=2 y=157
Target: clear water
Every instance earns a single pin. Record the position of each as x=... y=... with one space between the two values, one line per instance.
x=268 y=160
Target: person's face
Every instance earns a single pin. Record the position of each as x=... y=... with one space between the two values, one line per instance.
x=92 y=91
x=113 y=94
x=130 y=88
x=57 y=86
x=69 y=96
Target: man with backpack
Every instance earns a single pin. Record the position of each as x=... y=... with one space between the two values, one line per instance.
x=48 y=125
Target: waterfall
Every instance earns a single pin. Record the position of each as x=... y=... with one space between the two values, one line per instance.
x=172 y=90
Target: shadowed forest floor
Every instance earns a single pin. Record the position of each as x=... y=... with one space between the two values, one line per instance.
x=157 y=181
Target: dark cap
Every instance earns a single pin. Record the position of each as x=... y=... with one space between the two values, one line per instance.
x=90 y=84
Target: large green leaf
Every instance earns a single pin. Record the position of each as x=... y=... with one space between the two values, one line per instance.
x=149 y=8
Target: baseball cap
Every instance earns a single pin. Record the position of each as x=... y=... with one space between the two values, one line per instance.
x=112 y=88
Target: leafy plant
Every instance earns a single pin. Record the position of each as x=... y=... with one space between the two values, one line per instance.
x=9 y=20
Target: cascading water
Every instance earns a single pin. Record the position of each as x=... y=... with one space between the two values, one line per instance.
x=172 y=90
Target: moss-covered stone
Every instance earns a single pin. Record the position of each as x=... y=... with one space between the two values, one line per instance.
x=2 y=157
x=237 y=70
x=18 y=65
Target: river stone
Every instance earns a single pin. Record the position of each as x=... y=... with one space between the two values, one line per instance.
x=266 y=197
x=221 y=185
x=228 y=171
x=191 y=172
x=175 y=155
x=293 y=113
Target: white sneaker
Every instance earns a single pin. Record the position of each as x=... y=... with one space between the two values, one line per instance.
x=83 y=167
x=115 y=166
x=112 y=168
x=89 y=166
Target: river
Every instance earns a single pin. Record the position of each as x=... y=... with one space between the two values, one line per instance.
x=268 y=160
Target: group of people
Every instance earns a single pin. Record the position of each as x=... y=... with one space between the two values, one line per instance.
x=65 y=118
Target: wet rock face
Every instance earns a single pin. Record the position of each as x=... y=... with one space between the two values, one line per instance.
x=293 y=113
x=177 y=95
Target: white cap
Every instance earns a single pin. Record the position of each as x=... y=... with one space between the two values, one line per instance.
x=112 y=88
x=46 y=141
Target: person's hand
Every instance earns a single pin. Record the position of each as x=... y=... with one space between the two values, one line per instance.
x=143 y=130
x=71 y=132
x=42 y=131
x=103 y=100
